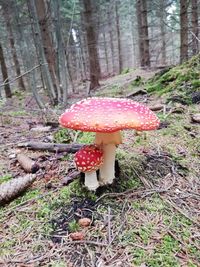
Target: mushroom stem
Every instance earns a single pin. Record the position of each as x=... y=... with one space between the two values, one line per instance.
x=91 y=181
x=108 y=141
x=107 y=170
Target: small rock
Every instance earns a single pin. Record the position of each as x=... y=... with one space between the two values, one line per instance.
x=196 y=118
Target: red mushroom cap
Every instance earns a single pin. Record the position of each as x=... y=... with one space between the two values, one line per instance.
x=89 y=158
x=109 y=115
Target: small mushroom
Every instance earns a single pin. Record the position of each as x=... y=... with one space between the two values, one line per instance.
x=106 y=117
x=88 y=159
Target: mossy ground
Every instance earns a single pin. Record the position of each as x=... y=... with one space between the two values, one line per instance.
x=154 y=223
x=179 y=83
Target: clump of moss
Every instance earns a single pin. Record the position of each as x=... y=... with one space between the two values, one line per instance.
x=111 y=91
x=180 y=82
x=63 y=136
x=125 y=71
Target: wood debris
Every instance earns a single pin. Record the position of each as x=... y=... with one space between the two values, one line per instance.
x=52 y=147
x=27 y=164
x=13 y=188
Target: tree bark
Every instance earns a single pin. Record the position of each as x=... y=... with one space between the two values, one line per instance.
x=141 y=9
x=6 y=7
x=194 y=20
x=92 y=44
x=120 y=60
x=106 y=52
x=162 y=31
x=27 y=57
x=184 y=30
x=40 y=51
x=109 y=17
x=62 y=71
x=4 y=74
x=49 y=50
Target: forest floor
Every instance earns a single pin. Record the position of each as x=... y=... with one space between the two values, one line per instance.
x=149 y=217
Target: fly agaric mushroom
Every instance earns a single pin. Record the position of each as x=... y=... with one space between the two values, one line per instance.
x=88 y=159
x=106 y=117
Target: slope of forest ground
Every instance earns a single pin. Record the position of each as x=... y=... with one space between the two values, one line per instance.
x=150 y=216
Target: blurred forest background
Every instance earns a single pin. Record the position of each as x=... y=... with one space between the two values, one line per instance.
x=52 y=46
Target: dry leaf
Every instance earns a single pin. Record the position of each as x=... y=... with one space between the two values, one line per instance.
x=77 y=236
x=84 y=222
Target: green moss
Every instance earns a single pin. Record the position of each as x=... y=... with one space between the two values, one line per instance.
x=181 y=81
x=86 y=137
x=63 y=136
x=19 y=94
x=66 y=136
x=17 y=113
x=129 y=166
x=125 y=71
x=111 y=91
x=5 y=178
x=164 y=254
x=195 y=84
x=6 y=247
x=73 y=226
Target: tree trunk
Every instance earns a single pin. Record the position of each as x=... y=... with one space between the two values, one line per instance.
x=141 y=9
x=106 y=53
x=6 y=7
x=49 y=50
x=140 y=34
x=5 y=74
x=120 y=60
x=162 y=31
x=92 y=44
x=184 y=30
x=109 y=17
x=194 y=20
x=61 y=58
x=82 y=55
x=40 y=50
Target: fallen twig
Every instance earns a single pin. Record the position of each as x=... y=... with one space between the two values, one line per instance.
x=88 y=242
x=70 y=177
x=16 y=78
x=52 y=147
x=141 y=193
x=181 y=211
x=132 y=193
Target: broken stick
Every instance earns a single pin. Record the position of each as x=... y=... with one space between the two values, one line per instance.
x=52 y=147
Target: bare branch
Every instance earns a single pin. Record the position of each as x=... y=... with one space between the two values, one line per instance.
x=23 y=74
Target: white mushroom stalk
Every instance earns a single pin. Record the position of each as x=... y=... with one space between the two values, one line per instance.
x=108 y=143
x=88 y=159
x=91 y=181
